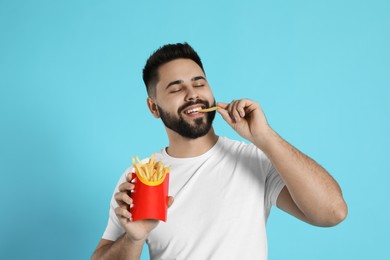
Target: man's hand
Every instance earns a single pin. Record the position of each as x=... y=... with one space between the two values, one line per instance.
x=135 y=230
x=246 y=118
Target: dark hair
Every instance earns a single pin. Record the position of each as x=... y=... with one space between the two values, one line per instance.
x=164 y=55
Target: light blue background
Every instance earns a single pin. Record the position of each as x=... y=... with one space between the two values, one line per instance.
x=72 y=109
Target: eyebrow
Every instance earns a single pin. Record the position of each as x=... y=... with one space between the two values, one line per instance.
x=181 y=81
x=198 y=78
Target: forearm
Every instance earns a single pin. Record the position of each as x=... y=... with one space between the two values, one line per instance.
x=123 y=248
x=314 y=191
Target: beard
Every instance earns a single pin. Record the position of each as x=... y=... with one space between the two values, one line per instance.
x=200 y=127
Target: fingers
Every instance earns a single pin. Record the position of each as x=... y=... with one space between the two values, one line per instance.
x=126 y=187
x=123 y=195
x=225 y=113
x=235 y=111
x=123 y=199
x=122 y=212
x=125 y=202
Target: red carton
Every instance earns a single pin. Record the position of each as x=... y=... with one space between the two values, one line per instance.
x=150 y=199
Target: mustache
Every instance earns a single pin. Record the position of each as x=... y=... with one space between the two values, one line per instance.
x=191 y=103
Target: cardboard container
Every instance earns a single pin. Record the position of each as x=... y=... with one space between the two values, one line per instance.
x=150 y=199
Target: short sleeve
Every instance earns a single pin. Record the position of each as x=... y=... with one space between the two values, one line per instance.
x=273 y=185
x=114 y=228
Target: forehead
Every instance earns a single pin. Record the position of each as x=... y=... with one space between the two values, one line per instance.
x=179 y=69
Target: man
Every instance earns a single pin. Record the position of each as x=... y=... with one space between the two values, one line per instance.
x=223 y=189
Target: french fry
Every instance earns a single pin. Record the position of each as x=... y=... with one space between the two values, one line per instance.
x=138 y=160
x=208 y=109
x=152 y=171
x=151 y=163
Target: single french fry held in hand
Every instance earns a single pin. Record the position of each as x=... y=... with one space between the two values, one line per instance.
x=208 y=109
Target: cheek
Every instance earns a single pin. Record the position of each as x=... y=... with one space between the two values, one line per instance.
x=210 y=97
x=169 y=105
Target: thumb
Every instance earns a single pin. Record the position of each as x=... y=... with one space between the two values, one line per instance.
x=224 y=113
x=170 y=201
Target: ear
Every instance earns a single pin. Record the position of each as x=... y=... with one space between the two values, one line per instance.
x=152 y=107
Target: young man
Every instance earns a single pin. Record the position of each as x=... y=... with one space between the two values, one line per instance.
x=223 y=189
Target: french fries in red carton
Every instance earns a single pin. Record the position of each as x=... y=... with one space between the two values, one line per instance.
x=150 y=194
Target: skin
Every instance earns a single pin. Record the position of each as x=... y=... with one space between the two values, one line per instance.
x=310 y=194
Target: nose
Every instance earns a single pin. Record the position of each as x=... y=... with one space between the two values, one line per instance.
x=191 y=94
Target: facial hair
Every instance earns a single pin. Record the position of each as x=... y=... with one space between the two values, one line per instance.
x=182 y=127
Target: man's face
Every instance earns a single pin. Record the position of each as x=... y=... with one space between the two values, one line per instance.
x=182 y=89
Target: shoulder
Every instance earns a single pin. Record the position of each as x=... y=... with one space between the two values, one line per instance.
x=247 y=153
x=238 y=146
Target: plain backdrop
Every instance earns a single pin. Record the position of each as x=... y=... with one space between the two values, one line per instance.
x=73 y=110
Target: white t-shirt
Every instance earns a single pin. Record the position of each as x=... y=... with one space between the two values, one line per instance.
x=222 y=201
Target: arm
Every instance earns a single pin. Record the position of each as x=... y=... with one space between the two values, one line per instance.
x=123 y=248
x=311 y=194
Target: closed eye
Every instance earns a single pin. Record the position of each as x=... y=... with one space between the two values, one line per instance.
x=199 y=81
x=175 y=90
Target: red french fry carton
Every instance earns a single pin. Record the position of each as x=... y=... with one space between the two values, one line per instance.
x=150 y=199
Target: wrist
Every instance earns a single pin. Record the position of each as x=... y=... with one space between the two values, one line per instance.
x=132 y=241
x=264 y=140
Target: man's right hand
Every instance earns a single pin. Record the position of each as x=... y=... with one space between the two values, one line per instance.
x=136 y=231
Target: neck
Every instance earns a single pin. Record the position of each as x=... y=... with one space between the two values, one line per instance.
x=182 y=147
